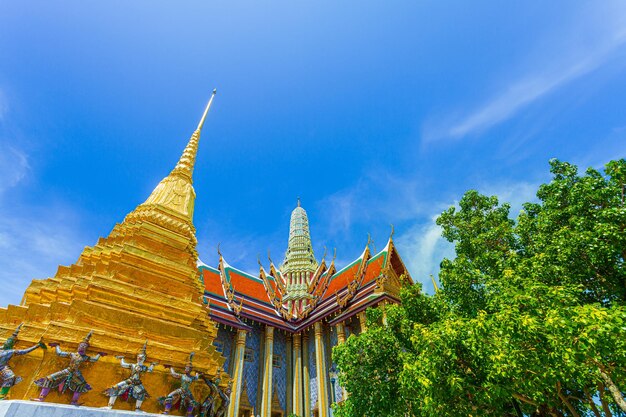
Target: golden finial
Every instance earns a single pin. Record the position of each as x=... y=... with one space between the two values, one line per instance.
x=206 y=110
x=392 y=231
x=218 y=249
x=432 y=278
x=187 y=161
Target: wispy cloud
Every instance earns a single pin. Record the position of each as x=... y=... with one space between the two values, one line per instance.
x=514 y=193
x=612 y=146
x=374 y=196
x=423 y=249
x=4 y=105
x=422 y=246
x=13 y=167
x=33 y=240
x=565 y=61
x=240 y=250
x=33 y=246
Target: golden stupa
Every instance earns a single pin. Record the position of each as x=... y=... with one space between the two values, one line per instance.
x=139 y=283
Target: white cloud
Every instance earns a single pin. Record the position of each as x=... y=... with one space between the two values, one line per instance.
x=514 y=193
x=422 y=246
x=563 y=61
x=32 y=246
x=423 y=249
x=33 y=240
x=13 y=167
x=375 y=196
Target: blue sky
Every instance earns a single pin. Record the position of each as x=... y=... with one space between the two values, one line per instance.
x=372 y=112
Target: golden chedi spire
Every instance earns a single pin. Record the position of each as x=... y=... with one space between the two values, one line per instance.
x=176 y=191
x=141 y=282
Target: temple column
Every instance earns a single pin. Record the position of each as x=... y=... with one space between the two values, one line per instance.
x=362 y=321
x=289 y=399
x=266 y=402
x=322 y=386
x=341 y=338
x=235 y=396
x=297 y=374
x=305 y=375
x=383 y=307
x=341 y=333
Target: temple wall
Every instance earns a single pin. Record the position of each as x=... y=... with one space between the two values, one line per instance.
x=252 y=364
x=226 y=338
x=279 y=373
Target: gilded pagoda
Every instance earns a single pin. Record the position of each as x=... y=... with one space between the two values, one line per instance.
x=267 y=336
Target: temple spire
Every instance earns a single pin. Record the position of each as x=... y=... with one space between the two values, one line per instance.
x=186 y=163
x=299 y=264
x=175 y=191
x=299 y=257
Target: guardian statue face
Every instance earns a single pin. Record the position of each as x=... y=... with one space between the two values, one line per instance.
x=8 y=345
x=82 y=347
x=188 y=369
x=141 y=358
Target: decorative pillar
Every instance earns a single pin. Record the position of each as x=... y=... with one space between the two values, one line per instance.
x=235 y=396
x=266 y=402
x=322 y=386
x=305 y=375
x=341 y=338
x=383 y=307
x=289 y=372
x=362 y=321
x=341 y=333
x=297 y=374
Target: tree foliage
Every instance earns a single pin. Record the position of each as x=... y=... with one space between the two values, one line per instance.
x=530 y=319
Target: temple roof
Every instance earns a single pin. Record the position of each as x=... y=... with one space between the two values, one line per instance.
x=237 y=298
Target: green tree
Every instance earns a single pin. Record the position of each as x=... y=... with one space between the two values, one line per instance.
x=531 y=318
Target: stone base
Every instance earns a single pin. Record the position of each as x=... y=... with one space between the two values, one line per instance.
x=17 y=408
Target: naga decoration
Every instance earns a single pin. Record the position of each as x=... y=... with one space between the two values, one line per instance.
x=222 y=409
x=208 y=408
x=132 y=387
x=69 y=378
x=216 y=402
x=182 y=396
x=7 y=377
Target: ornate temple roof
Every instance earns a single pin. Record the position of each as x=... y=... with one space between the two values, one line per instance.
x=237 y=298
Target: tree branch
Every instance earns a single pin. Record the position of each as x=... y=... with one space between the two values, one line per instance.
x=525 y=399
x=605 y=406
x=565 y=400
x=592 y=404
x=615 y=392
